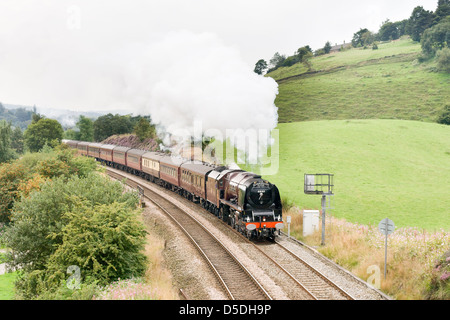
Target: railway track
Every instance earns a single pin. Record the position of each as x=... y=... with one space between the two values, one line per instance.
x=314 y=282
x=236 y=280
x=304 y=276
x=305 y=281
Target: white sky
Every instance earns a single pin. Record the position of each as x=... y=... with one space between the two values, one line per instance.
x=30 y=29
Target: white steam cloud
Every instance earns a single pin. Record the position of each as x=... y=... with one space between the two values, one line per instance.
x=193 y=83
x=55 y=56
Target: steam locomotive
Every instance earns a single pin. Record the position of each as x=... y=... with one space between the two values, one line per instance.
x=244 y=200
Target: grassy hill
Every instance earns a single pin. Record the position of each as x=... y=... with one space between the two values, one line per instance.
x=382 y=168
x=388 y=83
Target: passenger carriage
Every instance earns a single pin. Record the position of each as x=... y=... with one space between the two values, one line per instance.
x=134 y=162
x=151 y=166
x=71 y=143
x=106 y=153
x=193 y=180
x=170 y=172
x=119 y=157
x=94 y=150
x=83 y=148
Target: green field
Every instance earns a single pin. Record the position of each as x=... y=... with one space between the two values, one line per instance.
x=388 y=83
x=382 y=168
x=7 y=285
x=367 y=116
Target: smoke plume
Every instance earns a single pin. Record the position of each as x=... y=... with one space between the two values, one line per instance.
x=189 y=83
x=193 y=84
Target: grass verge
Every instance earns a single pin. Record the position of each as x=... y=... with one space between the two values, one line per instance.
x=7 y=286
x=413 y=256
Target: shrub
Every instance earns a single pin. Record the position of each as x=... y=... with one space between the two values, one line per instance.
x=43 y=132
x=104 y=241
x=443 y=60
x=19 y=178
x=444 y=118
x=11 y=176
x=439 y=280
x=38 y=222
x=436 y=37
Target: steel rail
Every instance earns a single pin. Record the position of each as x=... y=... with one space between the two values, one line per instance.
x=317 y=272
x=197 y=246
x=314 y=270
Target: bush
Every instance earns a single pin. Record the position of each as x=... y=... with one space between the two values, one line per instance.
x=104 y=241
x=43 y=132
x=11 y=176
x=439 y=280
x=40 y=225
x=443 y=60
x=19 y=178
x=436 y=37
x=444 y=118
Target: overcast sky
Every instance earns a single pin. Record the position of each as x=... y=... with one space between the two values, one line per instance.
x=37 y=35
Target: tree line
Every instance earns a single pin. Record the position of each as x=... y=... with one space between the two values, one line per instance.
x=108 y=125
x=19 y=117
x=43 y=131
x=429 y=28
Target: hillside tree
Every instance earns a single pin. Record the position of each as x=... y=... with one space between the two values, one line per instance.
x=327 y=47
x=260 y=66
x=43 y=132
x=108 y=125
x=303 y=53
x=436 y=37
x=144 y=130
x=277 y=60
x=6 y=152
x=86 y=126
x=17 y=142
x=388 y=31
x=362 y=38
x=442 y=10
x=419 y=21
x=402 y=27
